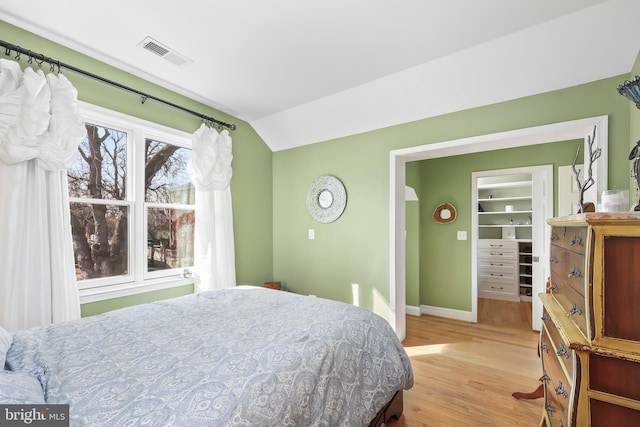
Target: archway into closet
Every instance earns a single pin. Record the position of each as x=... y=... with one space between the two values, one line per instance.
x=564 y=131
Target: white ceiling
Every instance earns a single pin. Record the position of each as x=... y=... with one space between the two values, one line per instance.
x=302 y=71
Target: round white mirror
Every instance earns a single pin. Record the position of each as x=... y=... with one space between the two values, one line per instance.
x=325 y=199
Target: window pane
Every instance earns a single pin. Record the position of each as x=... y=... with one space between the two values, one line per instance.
x=166 y=176
x=169 y=238
x=100 y=240
x=99 y=171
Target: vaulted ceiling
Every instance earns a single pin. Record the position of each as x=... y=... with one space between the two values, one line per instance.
x=302 y=71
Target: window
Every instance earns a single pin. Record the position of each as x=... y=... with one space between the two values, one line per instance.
x=132 y=206
x=170 y=202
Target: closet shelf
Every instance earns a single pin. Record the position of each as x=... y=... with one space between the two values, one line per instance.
x=504 y=212
x=503 y=225
x=511 y=184
x=504 y=199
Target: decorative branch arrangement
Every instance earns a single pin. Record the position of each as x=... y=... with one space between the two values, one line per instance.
x=588 y=181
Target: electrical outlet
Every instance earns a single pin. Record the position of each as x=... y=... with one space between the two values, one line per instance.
x=462 y=235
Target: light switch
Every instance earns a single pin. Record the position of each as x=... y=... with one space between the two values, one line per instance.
x=312 y=234
x=462 y=235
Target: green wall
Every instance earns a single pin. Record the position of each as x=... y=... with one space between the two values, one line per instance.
x=444 y=283
x=251 y=185
x=93 y=308
x=355 y=248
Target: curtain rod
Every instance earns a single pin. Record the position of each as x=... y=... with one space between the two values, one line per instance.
x=40 y=58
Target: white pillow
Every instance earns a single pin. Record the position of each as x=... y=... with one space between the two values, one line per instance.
x=20 y=388
x=5 y=342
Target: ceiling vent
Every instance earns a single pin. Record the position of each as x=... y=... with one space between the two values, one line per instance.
x=163 y=51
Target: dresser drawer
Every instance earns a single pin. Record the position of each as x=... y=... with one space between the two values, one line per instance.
x=572 y=238
x=504 y=265
x=497 y=244
x=604 y=414
x=497 y=255
x=571 y=301
x=501 y=285
x=570 y=266
x=497 y=276
x=615 y=376
x=558 y=388
x=621 y=289
x=557 y=417
x=552 y=343
x=497 y=250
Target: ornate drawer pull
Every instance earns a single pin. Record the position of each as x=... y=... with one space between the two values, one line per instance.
x=544 y=347
x=497 y=275
x=546 y=317
x=549 y=409
x=576 y=240
x=553 y=288
x=562 y=352
x=575 y=310
x=545 y=378
x=575 y=272
x=554 y=236
x=561 y=391
x=553 y=259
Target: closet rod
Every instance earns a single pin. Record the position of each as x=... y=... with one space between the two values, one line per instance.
x=40 y=58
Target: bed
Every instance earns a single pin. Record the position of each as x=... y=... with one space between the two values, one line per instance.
x=234 y=357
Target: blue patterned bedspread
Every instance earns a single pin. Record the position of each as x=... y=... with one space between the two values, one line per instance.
x=234 y=357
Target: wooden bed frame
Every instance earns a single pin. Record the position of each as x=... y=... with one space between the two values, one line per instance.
x=393 y=409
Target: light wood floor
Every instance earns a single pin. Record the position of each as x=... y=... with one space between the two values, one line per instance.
x=464 y=373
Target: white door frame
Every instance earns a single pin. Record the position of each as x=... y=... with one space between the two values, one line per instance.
x=564 y=131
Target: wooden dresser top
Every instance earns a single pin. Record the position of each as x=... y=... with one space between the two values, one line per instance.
x=595 y=218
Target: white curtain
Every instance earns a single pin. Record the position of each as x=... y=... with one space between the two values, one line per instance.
x=210 y=171
x=40 y=129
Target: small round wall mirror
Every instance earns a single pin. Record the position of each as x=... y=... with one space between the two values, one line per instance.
x=326 y=199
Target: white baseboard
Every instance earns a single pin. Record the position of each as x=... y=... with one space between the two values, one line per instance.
x=413 y=310
x=448 y=313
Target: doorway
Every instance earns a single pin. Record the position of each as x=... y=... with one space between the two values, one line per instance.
x=510 y=207
x=564 y=131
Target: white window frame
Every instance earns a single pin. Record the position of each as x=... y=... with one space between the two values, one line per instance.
x=138 y=280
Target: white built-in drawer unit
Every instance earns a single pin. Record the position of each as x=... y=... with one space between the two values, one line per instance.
x=498 y=269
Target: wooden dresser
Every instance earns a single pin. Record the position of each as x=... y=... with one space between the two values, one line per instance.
x=590 y=335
